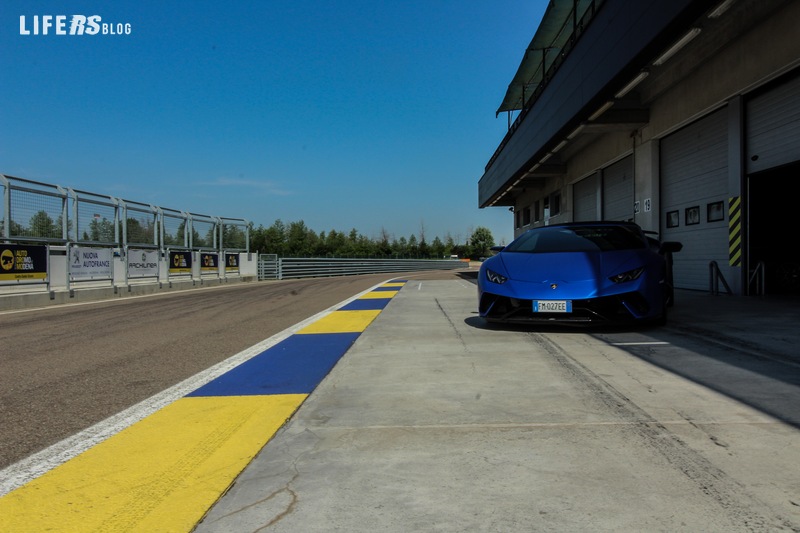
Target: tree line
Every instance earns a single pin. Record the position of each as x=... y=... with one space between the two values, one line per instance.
x=295 y=239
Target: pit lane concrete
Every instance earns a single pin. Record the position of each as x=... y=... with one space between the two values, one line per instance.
x=434 y=422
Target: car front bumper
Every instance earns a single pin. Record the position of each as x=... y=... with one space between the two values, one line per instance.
x=618 y=308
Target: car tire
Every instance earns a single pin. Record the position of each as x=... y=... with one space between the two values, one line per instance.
x=660 y=320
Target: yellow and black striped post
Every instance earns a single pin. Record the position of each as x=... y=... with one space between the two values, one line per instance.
x=735 y=231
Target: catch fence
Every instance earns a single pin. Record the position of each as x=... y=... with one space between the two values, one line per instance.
x=53 y=235
x=32 y=211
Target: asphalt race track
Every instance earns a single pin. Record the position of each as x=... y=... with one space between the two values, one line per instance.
x=67 y=368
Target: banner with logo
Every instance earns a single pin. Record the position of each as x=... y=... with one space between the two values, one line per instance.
x=19 y=262
x=90 y=263
x=143 y=263
x=209 y=262
x=180 y=262
x=231 y=262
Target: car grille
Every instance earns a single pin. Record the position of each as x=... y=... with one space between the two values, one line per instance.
x=617 y=308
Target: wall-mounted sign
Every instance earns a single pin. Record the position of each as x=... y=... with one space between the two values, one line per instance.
x=142 y=263
x=19 y=262
x=90 y=263
x=180 y=262
x=231 y=262
x=209 y=262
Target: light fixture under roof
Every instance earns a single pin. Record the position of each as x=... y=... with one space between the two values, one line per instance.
x=560 y=145
x=679 y=44
x=631 y=84
x=720 y=9
x=602 y=109
x=576 y=131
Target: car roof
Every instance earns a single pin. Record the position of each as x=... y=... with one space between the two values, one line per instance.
x=594 y=223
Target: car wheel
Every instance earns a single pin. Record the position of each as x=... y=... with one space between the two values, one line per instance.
x=660 y=320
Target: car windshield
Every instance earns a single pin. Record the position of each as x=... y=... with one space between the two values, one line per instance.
x=578 y=239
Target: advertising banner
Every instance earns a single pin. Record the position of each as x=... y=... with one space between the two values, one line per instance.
x=19 y=262
x=231 y=262
x=90 y=263
x=143 y=263
x=209 y=262
x=180 y=262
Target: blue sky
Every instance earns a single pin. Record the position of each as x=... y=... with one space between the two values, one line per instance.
x=362 y=114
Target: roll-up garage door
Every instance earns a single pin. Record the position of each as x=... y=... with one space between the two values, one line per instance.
x=773 y=127
x=585 y=196
x=694 y=187
x=618 y=190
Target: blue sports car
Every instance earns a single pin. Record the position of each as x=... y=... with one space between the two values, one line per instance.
x=578 y=273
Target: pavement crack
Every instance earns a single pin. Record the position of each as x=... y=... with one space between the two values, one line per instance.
x=289 y=508
x=452 y=325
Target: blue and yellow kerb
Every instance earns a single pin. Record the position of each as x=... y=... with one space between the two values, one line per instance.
x=164 y=472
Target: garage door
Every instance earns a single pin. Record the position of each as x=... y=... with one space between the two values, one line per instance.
x=618 y=190
x=773 y=127
x=585 y=196
x=694 y=191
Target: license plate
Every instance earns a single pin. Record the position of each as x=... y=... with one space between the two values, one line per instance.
x=552 y=306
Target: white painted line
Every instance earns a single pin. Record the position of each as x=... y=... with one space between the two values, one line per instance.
x=647 y=343
x=28 y=469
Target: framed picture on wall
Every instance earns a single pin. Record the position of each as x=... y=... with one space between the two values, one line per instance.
x=673 y=219
x=715 y=211
x=692 y=215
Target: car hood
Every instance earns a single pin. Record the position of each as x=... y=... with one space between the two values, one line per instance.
x=567 y=266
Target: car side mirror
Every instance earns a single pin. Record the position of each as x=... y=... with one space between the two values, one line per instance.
x=496 y=249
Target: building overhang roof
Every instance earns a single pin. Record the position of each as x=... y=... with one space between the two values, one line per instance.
x=549 y=42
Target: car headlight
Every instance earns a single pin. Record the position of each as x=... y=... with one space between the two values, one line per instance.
x=630 y=275
x=494 y=277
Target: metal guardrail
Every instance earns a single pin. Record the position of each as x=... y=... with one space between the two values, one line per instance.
x=758 y=275
x=270 y=267
x=715 y=277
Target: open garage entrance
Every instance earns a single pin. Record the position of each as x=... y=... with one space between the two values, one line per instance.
x=773 y=229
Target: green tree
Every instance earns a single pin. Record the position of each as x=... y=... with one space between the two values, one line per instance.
x=41 y=225
x=300 y=240
x=450 y=245
x=258 y=241
x=383 y=246
x=480 y=242
x=413 y=247
x=139 y=233
x=438 y=248
x=424 y=249
x=100 y=230
x=210 y=238
x=400 y=248
x=275 y=238
x=336 y=243
x=233 y=237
